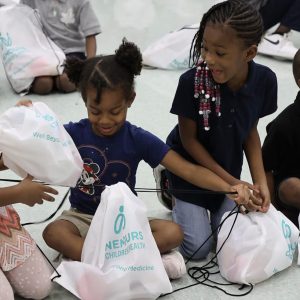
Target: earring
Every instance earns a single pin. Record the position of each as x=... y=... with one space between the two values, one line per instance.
x=207 y=91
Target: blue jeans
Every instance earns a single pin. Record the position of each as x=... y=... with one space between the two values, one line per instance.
x=197 y=226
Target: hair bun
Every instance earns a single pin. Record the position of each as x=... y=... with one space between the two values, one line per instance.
x=129 y=55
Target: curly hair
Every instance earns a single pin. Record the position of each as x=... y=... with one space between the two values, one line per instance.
x=109 y=71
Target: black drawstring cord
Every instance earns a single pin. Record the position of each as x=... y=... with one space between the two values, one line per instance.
x=192 y=272
x=144 y=190
x=43 y=221
x=53 y=214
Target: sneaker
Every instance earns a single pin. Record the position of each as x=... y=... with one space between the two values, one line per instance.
x=277 y=45
x=174 y=264
x=162 y=185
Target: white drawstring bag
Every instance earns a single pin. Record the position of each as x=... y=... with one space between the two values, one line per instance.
x=120 y=259
x=34 y=142
x=260 y=245
x=172 y=51
x=25 y=49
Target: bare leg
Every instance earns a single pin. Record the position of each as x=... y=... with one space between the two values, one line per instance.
x=64 y=237
x=167 y=234
x=63 y=84
x=289 y=192
x=42 y=85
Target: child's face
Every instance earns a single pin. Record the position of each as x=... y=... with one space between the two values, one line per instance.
x=108 y=116
x=226 y=55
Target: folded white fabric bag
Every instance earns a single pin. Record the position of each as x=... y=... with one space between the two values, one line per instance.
x=172 y=50
x=120 y=259
x=260 y=245
x=25 y=49
x=33 y=141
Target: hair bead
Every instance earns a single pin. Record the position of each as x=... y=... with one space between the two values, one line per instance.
x=207 y=91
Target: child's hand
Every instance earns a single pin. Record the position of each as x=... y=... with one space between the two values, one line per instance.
x=31 y=193
x=246 y=196
x=24 y=102
x=264 y=194
x=242 y=195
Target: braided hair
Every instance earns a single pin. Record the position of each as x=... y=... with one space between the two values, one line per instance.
x=109 y=71
x=237 y=14
x=247 y=23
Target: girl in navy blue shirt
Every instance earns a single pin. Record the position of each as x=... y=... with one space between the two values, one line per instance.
x=111 y=149
x=219 y=103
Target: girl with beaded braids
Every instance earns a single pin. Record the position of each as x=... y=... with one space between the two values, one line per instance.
x=112 y=148
x=219 y=102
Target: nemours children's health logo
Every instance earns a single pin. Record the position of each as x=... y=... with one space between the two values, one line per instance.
x=124 y=241
x=287 y=233
x=120 y=221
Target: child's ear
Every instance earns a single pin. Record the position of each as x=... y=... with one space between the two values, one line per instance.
x=131 y=99
x=251 y=52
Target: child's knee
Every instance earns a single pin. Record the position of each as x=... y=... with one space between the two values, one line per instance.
x=50 y=233
x=41 y=290
x=42 y=85
x=31 y=279
x=177 y=233
x=289 y=189
x=63 y=84
x=190 y=248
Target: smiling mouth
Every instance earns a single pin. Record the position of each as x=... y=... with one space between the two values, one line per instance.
x=105 y=129
x=216 y=72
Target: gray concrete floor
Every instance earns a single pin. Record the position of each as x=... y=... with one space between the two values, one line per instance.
x=143 y=22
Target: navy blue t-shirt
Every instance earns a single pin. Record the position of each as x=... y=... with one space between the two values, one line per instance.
x=224 y=141
x=108 y=160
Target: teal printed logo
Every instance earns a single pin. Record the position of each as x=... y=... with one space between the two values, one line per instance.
x=5 y=41
x=48 y=118
x=287 y=233
x=126 y=241
x=286 y=229
x=54 y=124
x=10 y=52
x=120 y=221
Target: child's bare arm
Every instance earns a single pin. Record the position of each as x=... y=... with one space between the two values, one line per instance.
x=90 y=46
x=205 y=178
x=252 y=147
x=188 y=135
x=26 y=192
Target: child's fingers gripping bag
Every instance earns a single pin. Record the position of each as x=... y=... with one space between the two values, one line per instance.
x=33 y=141
x=25 y=49
x=120 y=259
x=260 y=245
x=172 y=50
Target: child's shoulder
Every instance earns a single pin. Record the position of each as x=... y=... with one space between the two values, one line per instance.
x=262 y=70
x=189 y=74
x=138 y=133
x=84 y=123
